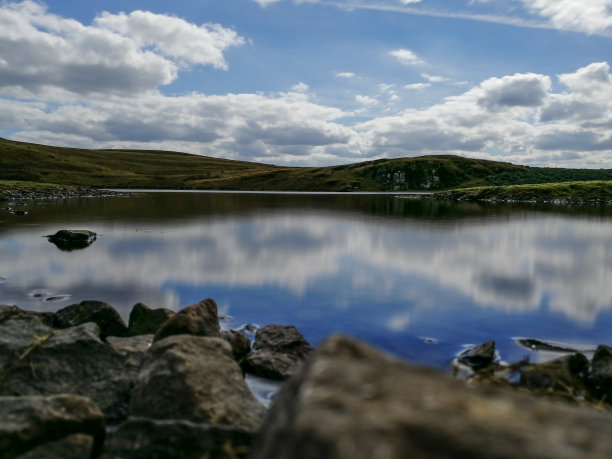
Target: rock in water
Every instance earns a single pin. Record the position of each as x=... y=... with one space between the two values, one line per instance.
x=69 y=240
x=352 y=401
x=199 y=319
x=153 y=438
x=279 y=350
x=28 y=422
x=102 y=314
x=197 y=379
x=479 y=357
x=144 y=320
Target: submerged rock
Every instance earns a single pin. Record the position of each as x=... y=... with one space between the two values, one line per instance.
x=68 y=240
x=29 y=422
x=142 y=438
x=103 y=314
x=278 y=351
x=201 y=319
x=197 y=379
x=352 y=401
x=144 y=320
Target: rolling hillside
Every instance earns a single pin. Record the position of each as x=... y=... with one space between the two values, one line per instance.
x=172 y=170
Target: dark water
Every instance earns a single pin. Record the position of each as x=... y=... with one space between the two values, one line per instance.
x=418 y=278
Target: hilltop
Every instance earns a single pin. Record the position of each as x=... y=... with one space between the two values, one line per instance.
x=22 y=162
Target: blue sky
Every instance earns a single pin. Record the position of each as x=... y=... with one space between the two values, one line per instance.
x=313 y=82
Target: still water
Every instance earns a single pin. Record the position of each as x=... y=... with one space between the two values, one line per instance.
x=418 y=278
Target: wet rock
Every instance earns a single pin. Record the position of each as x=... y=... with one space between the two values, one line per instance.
x=599 y=382
x=479 y=357
x=197 y=379
x=69 y=240
x=562 y=375
x=28 y=422
x=37 y=360
x=102 y=314
x=278 y=351
x=19 y=213
x=142 y=438
x=352 y=401
x=144 y=320
x=201 y=319
x=538 y=345
x=241 y=345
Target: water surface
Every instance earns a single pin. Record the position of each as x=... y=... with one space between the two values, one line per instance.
x=418 y=278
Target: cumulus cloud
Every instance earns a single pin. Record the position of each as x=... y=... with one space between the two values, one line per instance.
x=592 y=16
x=366 y=100
x=118 y=53
x=434 y=78
x=525 y=90
x=406 y=57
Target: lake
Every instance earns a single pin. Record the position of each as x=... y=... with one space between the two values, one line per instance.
x=418 y=278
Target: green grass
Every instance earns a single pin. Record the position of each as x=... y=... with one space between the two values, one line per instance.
x=587 y=191
x=171 y=170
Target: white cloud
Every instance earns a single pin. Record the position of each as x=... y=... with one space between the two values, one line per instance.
x=44 y=53
x=406 y=57
x=417 y=86
x=434 y=78
x=300 y=87
x=366 y=100
x=590 y=16
x=266 y=2
x=345 y=75
x=521 y=90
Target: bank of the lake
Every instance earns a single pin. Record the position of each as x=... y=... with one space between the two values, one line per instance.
x=12 y=190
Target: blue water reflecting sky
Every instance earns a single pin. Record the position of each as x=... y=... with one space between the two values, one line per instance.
x=417 y=280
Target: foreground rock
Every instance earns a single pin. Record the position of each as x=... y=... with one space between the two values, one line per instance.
x=98 y=312
x=279 y=350
x=69 y=240
x=37 y=360
x=41 y=425
x=201 y=319
x=197 y=379
x=144 y=320
x=350 y=400
x=154 y=438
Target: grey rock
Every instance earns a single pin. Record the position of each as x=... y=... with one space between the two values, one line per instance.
x=103 y=314
x=201 y=319
x=28 y=422
x=37 y=360
x=197 y=379
x=241 y=345
x=278 y=352
x=352 y=401
x=144 y=320
x=132 y=349
x=479 y=357
x=13 y=312
x=564 y=374
x=75 y=446
x=599 y=382
x=141 y=438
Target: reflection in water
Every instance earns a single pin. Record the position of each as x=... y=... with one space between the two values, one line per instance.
x=401 y=273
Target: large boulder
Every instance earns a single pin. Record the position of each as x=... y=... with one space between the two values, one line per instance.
x=194 y=378
x=201 y=319
x=350 y=400
x=38 y=360
x=13 y=313
x=141 y=438
x=103 y=314
x=69 y=240
x=144 y=320
x=30 y=422
x=278 y=352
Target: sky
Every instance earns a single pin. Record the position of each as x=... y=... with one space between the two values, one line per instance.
x=313 y=82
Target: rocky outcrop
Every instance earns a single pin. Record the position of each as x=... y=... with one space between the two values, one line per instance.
x=45 y=425
x=69 y=240
x=201 y=319
x=144 y=320
x=194 y=378
x=37 y=360
x=98 y=312
x=13 y=312
x=349 y=400
x=278 y=351
x=153 y=438
x=478 y=357
x=241 y=345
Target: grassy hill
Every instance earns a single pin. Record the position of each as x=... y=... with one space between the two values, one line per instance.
x=171 y=170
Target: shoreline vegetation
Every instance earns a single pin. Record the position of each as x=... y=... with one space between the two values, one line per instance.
x=30 y=171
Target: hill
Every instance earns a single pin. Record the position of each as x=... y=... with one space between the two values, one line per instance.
x=172 y=170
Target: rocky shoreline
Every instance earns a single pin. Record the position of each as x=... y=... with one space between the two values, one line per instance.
x=52 y=192
x=81 y=383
